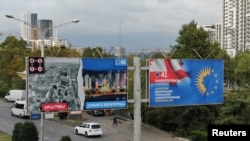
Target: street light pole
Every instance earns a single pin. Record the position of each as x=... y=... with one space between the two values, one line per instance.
x=44 y=31
x=42 y=52
x=26 y=23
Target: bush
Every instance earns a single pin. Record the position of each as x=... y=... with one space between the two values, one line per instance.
x=16 y=132
x=198 y=136
x=181 y=133
x=62 y=115
x=3 y=92
x=65 y=138
x=26 y=131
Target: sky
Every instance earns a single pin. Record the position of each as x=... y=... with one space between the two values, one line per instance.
x=132 y=24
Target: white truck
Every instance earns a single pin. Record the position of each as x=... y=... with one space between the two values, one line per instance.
x=14 y=95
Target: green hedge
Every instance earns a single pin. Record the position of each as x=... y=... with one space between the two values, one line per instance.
x=3 y=92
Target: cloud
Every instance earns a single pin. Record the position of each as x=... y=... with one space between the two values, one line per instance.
x=110 y=17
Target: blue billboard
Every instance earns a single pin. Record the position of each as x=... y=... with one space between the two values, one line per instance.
x=104 y=83
x=177 y=82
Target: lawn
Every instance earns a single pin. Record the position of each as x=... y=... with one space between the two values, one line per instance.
x=4 y=136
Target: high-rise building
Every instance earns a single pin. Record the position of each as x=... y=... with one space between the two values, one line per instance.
x=235 y=26
x=218 y=32
x=45 y=29
x=29 y=27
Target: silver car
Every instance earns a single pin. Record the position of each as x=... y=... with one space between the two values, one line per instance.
x=89 y=129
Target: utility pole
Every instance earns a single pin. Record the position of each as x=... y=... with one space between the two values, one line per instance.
x=137 y=99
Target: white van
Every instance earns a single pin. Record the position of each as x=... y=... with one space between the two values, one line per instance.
x=19 y=109
x=14 y=95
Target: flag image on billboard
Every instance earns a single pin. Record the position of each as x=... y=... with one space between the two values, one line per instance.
x=177 y=82
x=104 y=83
x=59 y=88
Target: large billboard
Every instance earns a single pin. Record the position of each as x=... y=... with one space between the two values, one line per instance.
x=105 y=83
x=58 y=88
x=74 y=84
x=177 y=82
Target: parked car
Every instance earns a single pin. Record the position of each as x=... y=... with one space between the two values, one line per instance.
x=19 y=109
x=89 y=129
x=97 y=112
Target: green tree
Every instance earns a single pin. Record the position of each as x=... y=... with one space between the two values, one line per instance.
x=11 y=61
x=16 y=132
x=242 y=69
x=65 y=138
x=235 y=109
x=193 y=43
x=11 y=42
x=26 y=131
x=87 y=52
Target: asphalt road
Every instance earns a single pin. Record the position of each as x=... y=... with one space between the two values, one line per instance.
x=54 y=130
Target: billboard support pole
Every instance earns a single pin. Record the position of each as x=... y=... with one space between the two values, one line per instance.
x=42 y=117
x=137 y=99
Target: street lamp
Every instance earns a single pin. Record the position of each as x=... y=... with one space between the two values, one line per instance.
x=43 y=31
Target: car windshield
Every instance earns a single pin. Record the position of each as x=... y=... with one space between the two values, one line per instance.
x=96 y=126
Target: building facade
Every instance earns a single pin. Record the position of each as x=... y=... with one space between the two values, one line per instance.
x=235 y=26
x=29 y=27
x=45 y=29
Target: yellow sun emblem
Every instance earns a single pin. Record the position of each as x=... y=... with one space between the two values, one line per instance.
x=200 y=78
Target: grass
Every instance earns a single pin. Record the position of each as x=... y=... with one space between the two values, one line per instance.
x=4 y=136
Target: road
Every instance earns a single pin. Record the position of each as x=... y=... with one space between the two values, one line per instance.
x=53 y=131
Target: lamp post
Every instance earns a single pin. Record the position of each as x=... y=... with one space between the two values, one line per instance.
x=42 y=51
x=43 y=31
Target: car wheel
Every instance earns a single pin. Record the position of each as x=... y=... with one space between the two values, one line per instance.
x=86 y=134
x=12 y=114
x=76 y=132
x=20 y=116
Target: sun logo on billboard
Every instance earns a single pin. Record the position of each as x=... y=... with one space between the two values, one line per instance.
x=201 y=78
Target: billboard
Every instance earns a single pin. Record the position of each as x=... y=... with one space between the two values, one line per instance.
x=74 y=84
x=177 y=82
x=58 y=88
x=105 y=83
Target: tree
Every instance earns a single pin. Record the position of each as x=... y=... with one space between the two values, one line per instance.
x=65 y=138
x=12 y=42
x=193 y=43
x=87 y=52
x=242 y=69
x=26 y=131
x=16 y=132
x=12 y=56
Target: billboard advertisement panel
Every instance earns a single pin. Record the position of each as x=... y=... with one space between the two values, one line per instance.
x=105 y=83
x=60 y=85
x=75 y=84
x=178 y=82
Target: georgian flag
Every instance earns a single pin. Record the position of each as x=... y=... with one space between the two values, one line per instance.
x=167 y=71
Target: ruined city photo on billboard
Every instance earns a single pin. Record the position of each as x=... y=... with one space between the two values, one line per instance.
x=61 y=82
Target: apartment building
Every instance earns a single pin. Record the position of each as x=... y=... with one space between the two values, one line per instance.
x=235 y=26
x=40 y=32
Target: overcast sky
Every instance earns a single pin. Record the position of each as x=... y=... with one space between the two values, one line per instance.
x=133 y=24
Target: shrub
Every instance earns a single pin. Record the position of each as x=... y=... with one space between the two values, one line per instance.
x=65 y=138
x=26 y=131
x=198 y=136
x=62 y=115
